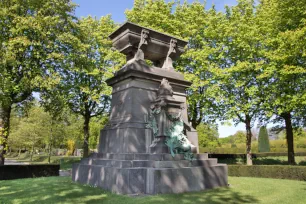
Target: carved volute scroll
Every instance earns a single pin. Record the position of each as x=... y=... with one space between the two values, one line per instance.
x=144 y=40
x=168 y=64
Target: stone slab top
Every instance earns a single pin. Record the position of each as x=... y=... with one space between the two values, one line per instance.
x=126 y=39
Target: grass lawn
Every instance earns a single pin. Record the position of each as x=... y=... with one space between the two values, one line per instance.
x=242 y=190
x=64 y=161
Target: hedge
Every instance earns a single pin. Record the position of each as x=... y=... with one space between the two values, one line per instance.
x=256 y=155
x=268 y=171
x=9 y=172
x=220 y=150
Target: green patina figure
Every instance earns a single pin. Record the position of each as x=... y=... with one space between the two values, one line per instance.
x=172 y=125
x=178 y=141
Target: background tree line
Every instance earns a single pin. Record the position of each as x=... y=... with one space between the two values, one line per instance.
x=247 y=64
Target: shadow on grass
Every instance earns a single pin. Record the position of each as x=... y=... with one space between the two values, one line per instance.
x=214 y=196
x=63 y=190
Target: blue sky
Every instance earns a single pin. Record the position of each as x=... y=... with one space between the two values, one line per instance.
x=116 y=8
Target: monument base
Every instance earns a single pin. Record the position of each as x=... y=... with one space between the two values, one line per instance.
x=150 y=173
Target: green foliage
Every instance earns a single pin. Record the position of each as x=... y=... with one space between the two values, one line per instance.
x=239 y=137
x=89 y=62
x=298 y=134
x=283 y=23
x=262 y=171
x=96 y=124
x=31 y=48
x=36 y=126
x=263 y=140
x=32 y=128
x=208 y=135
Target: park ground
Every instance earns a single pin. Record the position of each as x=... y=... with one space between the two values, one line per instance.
x=66 y=162
x=63 y=190
x=241 y=190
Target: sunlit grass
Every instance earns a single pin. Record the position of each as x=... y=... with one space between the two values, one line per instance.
x=63 y=190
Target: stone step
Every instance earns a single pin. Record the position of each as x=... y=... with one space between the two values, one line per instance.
x=151 y=180
x=148 y=163
x=153 y=157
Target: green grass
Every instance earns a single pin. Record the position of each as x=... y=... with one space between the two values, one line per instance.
x=279 y=160
x=242 y=190
x=64 y=161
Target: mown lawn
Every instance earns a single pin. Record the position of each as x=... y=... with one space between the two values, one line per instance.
x=241 y=190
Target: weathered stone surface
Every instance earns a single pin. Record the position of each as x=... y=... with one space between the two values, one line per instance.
x=128 y=37
x=131 y=159
x=150 y=176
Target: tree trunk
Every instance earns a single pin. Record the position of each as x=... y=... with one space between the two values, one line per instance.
x=32 y=151
x=19 y=152
x=248 y=140
x=5 y=113
x=86 y=136
x=50 y=143
x=289 y=136
x=193 y=117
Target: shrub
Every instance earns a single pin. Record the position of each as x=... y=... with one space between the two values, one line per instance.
x=226 y=146
x=9 y=172
x=263 y=140
x=234 y=146
x=301 y=143
x=71 y=147
x=221 y=150
x=268 y=171
x=241 y=146
x=278 y=144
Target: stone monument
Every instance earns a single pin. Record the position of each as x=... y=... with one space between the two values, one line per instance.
x=148 y=146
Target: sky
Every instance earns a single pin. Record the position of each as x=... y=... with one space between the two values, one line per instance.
x=116 y=8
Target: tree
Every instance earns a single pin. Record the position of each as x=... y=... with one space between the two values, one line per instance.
x=239 y=59
x=298 y=133
x=89 y=62
x=95 y=127
x=74 y=133
x=32 y=129
x=31 y=49
x=239 y=137
x=208 y=135
x=222 y=57
x=16 y=141
x=285 y=92
x=187 y=21
x=263 y=140
x=53 y=104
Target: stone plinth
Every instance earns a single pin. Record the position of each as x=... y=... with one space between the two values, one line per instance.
x=150 y=173
x=148 y=146
x=134 y=89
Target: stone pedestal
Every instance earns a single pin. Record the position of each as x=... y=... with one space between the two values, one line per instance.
x=133 y=157
x=150 y=173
